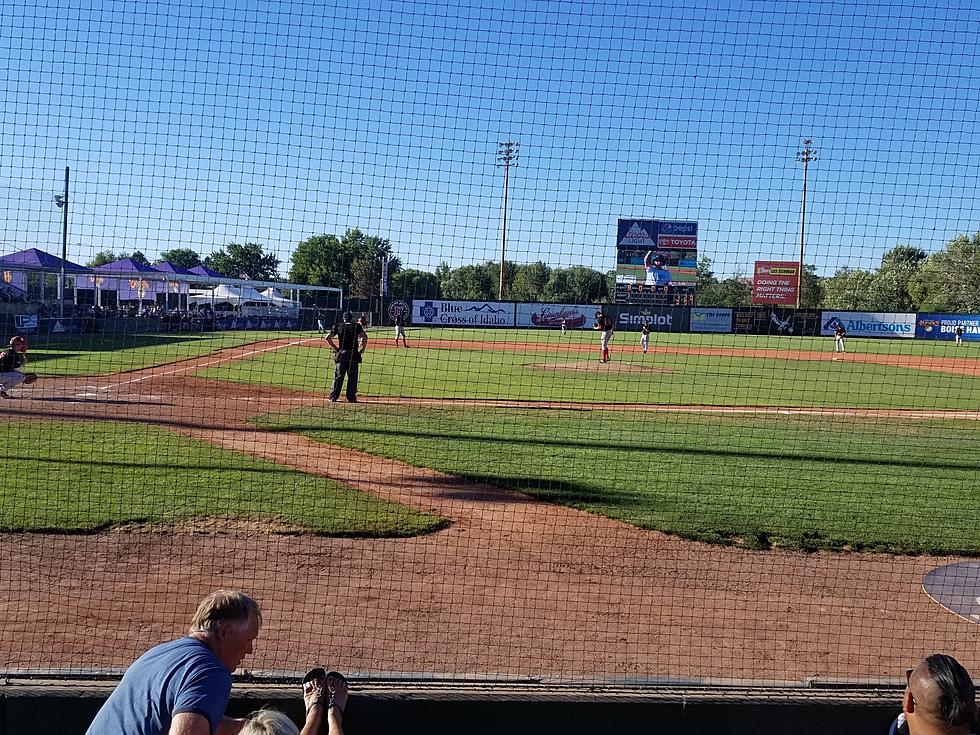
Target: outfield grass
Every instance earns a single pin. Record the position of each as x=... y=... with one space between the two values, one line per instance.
x=102 y=354
x=454 y=371
x=787 y=481
x=86 y=477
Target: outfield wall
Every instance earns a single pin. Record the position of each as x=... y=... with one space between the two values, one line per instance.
x=777 y=321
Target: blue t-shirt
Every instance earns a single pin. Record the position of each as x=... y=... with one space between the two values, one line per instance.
x=175 y=677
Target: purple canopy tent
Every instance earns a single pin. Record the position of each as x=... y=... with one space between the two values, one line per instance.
x=15 y=268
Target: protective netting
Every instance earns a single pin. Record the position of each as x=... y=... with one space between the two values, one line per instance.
x=194 y=193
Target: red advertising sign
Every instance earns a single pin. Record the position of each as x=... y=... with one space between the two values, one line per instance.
x=776 y=282
x=668 y=242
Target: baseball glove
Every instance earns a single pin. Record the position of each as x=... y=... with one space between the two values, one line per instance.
x=30 y=378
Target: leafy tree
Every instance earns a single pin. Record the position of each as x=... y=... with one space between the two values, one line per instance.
x=849 y=289
x=108 y=256
x=529 y=282
x=244 y=261
x=811 y=288
x=586 y=286
x=414 y=284
x=181 y=257
x=949 y=280
x=470 y=283
x=352 y=262
x=890 y=288
x=558 y=288
x=138 y=257
x=102 y=257
x=708 y=287
x=734 y=291
x=442 y=275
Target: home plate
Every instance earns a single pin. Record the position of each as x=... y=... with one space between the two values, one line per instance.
x=957 y=588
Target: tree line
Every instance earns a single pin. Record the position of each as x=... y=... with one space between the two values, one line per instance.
x=906 y=279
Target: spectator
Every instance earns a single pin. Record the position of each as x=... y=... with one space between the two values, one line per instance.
x=324 y=693
x=940 y=699
x=183 y=686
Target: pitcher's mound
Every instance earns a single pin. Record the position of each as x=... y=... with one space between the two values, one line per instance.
x=594 y=366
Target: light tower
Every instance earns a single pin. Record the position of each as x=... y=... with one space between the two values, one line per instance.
x=805 y=156
x=507 y=154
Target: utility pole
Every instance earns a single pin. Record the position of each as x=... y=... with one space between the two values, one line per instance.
x=61 y=201
x=507 y=154
x=805 y=156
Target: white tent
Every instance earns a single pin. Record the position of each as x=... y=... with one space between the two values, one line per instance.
x=242 y=298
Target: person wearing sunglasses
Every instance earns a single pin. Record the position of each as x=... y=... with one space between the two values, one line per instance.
x=940 y=699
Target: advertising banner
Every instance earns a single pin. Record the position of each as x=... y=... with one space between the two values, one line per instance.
x=775 y=282
x=437 y=313
x=943 y=326
x=869 y=324
x=776 y=321
x=575 y=316
x=711 y=320
x=661 y=319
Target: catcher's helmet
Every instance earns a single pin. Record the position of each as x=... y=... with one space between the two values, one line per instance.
x=18 y=343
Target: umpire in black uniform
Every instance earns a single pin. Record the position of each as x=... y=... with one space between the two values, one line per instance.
x=347 y=352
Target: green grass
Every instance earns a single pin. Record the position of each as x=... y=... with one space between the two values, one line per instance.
x=86 y=477
x=787 y=481
x=455 y=371
x=102 y=354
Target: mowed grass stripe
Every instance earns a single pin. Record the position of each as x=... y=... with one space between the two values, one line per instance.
x=88 y=476
x=459 y=372
x=786 y=481
x=103 y=354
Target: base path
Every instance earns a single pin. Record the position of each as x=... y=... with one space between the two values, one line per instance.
x=513 y=587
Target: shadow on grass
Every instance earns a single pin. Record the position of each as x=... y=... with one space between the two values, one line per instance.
x=635 y=447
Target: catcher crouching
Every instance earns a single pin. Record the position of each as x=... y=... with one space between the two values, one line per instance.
x=11 y=360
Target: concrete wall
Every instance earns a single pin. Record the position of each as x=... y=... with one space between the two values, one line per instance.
x=57 y=709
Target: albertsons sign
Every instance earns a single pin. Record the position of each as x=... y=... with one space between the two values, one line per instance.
x=462 y=314
x=868 y=324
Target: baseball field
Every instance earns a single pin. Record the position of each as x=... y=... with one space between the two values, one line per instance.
x=723 y=507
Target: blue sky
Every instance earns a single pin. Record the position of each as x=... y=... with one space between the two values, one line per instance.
x=192 y=124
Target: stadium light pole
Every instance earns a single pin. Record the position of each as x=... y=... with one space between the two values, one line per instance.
x=61 y=201
x=507 y=154
x=805 y=156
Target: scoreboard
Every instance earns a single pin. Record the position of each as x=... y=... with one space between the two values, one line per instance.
x=656 y=262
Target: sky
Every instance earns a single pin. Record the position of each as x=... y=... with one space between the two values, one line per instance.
x=195 y=124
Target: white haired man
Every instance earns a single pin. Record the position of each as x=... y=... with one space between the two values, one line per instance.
x=182 y=687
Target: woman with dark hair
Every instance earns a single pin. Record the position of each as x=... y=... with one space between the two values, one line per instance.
x=940 y=699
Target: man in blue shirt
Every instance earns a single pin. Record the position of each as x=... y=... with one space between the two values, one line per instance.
x=182 y=687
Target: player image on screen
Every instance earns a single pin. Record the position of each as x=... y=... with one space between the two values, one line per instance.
x=657 y=273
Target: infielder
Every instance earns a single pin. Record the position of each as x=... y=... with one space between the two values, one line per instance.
x=604 y=325
x=645 y=336
x=839 y=334
x=400 y=328
x=11 y=360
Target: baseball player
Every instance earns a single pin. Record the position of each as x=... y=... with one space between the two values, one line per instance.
x=604 y=325
x=959 y=335
x=657 y=273
x=11 y=360
x=645 y=335
x=400 y=328
x=839 y=334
